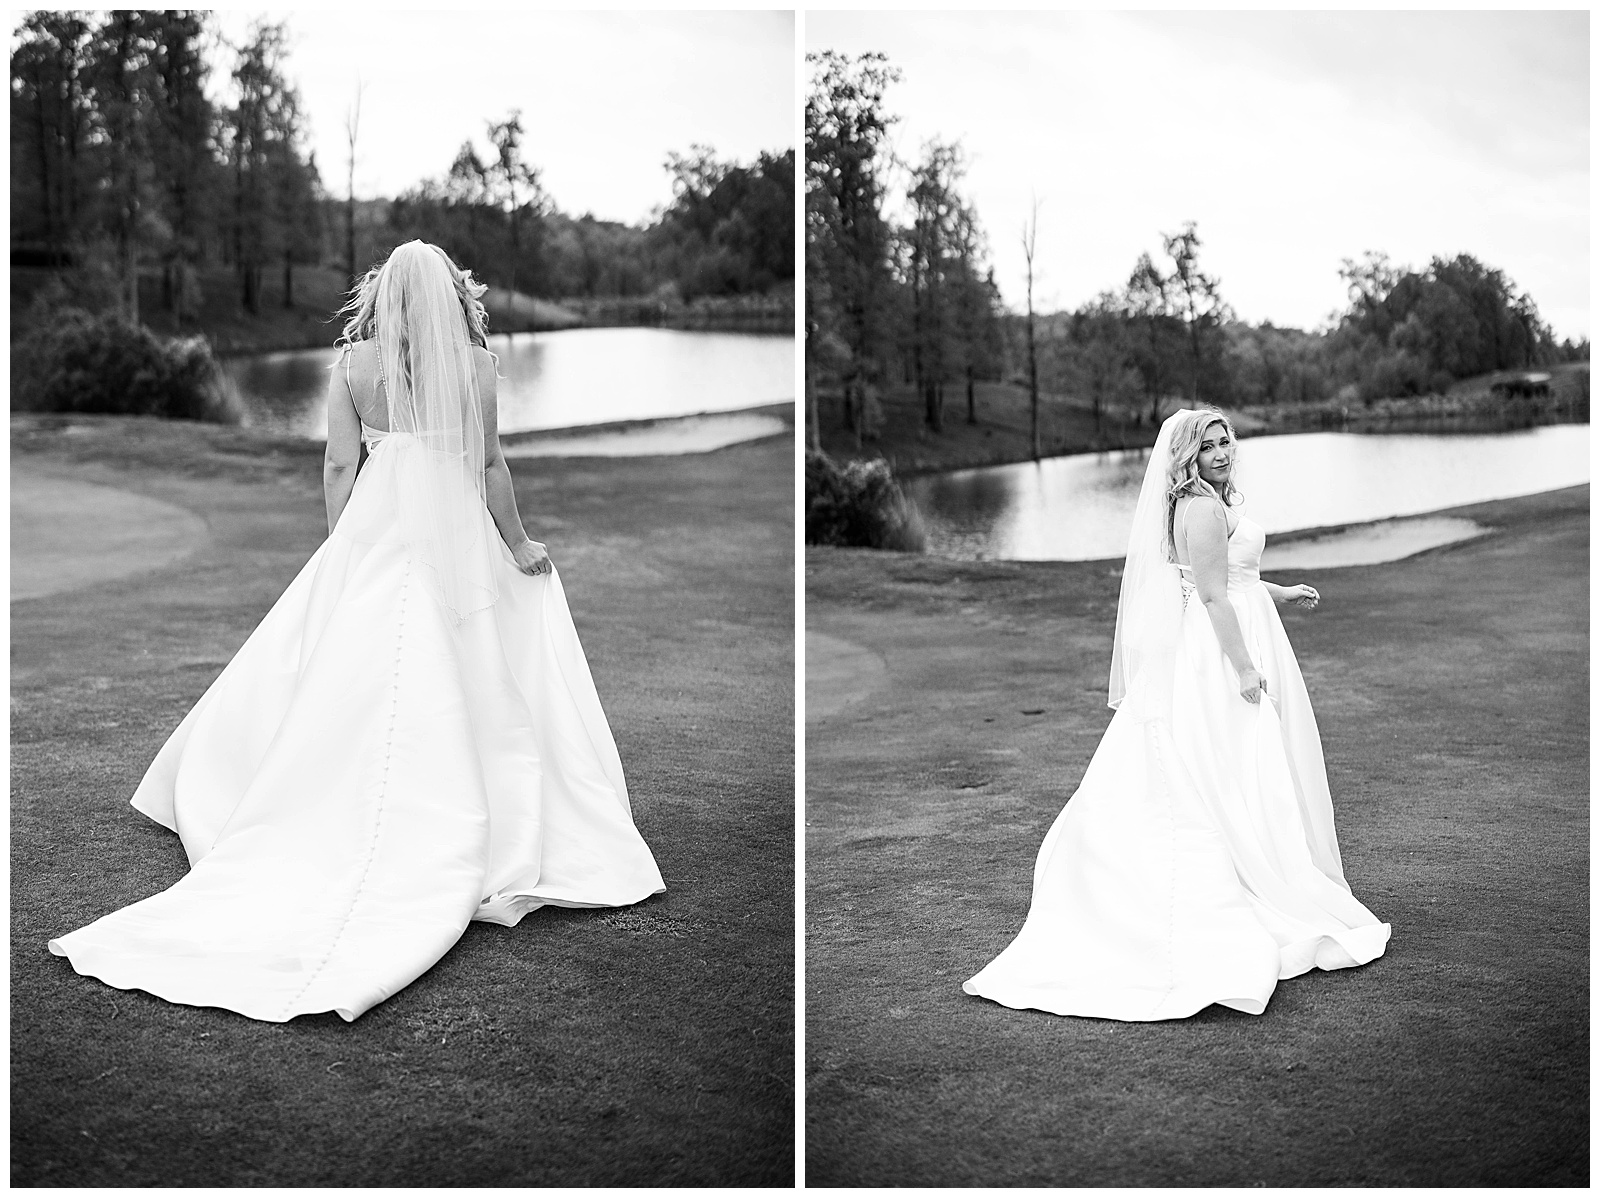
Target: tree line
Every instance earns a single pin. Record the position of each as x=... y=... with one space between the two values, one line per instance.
x=1169 y=332
x=120 y=161
x=123 y=165
x=890 y=301
x=911 y=299
x=729 y=229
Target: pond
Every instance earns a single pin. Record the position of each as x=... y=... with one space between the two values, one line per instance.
x=1080 y=507
x=557 y=380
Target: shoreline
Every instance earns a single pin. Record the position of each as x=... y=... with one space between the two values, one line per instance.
x=1001 y=435
x=29 y=429
x=231 y=348
x=313 y=322
x=784 y=409
x=1248 y=423
x=227 y=347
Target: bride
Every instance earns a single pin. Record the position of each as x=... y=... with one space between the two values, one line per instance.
x=1197 y=861
x=411 y=738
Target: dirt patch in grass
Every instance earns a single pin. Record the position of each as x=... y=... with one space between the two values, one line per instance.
x=1452 y=690
x=652 y=1045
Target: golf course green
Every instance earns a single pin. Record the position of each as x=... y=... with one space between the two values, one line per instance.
x=641 y=1046
x=954 y=707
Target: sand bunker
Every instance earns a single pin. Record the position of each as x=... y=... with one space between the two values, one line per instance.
x=690 y=434
x=1368 y=544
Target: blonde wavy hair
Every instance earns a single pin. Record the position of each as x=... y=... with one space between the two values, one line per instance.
x=360 y=308
x=1183 y=467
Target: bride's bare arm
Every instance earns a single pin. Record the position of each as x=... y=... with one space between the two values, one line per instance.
x=343 y=454
x=1207 y=527
x=498 y=493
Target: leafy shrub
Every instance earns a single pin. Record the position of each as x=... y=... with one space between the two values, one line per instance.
x=859 y=503
x=78 y=362
x=1396 y=372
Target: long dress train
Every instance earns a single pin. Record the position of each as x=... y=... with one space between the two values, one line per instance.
x=366 y=777
x=1197 y=861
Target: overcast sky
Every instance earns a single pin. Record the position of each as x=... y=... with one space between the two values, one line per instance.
x=1293 y=139
x=604 y=96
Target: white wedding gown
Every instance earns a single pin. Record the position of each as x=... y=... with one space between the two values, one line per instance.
x=366 y=777
x=1197 y=861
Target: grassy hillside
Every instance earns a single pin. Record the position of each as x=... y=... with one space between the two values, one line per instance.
x=1002 y=434
x=1066 y=422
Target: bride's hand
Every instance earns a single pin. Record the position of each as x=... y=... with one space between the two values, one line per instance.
x=1252 y=685
x=532 y=558
x=1303 y=595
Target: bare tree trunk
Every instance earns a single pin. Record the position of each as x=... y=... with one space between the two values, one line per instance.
x=130 y=267
x=1194 y=352
x=352 y=128
x=920 y=375
x=241 y=268
x=46 y=186
x=1155 y=391
x=813 y=416
x=1030 y=234
x=516 y=252
x=125 y=172
x=972 y=403
x=919 y=338
x=252 y=285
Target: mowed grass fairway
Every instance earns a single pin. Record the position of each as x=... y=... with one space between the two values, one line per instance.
x=1452 y=691
x=646 y=1045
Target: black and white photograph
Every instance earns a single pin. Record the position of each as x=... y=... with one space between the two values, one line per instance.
x=403 y=618
x=1196 y=506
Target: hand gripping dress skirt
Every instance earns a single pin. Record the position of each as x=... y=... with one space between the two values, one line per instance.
x=1197 y=861
x=366 y=777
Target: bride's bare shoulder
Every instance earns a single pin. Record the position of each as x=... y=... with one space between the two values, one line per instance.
x=487 y=365
x=356 y=358
x=1205 y=506
x=1202 y=516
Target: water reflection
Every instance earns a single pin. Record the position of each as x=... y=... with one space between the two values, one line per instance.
x=1080 y=507
x=557 y=380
